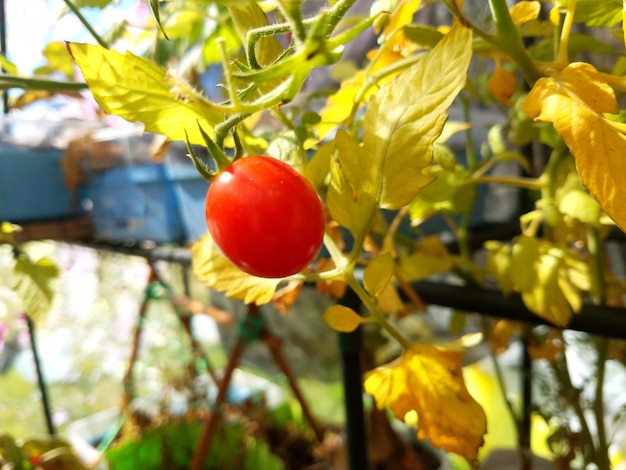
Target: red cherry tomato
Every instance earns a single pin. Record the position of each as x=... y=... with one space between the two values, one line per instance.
x=265 y=217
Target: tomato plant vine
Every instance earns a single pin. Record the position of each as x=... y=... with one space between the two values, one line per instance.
x=377 y=145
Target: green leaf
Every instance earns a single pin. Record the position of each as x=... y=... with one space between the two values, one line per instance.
x=92 y=3
x=154 y=6
x=579 y=205
x=430 y=257
x=10 y=452
x=7 y=65
x=58 y=58
x=318 y=167
x=452 y=193
x=211 y=50
x=351 y=197
x=250 y=16
x=422 y=34
x=606 y=13
x=341 y=318
x=408 y=114
x=138 y=90
x=259 y=455
x=378 y=273
x=34 y=284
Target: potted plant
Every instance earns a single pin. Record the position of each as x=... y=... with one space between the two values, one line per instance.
x=374 y=149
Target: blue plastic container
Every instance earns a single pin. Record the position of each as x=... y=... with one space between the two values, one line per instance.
x=135 y=203
x=32 y=186
x=190 y=190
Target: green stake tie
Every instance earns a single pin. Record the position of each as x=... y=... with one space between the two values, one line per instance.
x=250 y=327
x=155 y=291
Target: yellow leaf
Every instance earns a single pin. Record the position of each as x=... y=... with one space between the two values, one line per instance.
x=136 y=89
x=430 y=257
x=396 y=46
x=317 y=169
x=390 y=301
x=499 y=264
x=523 y=12
x=549 y=277
x=351 y=197
x=429 y=381
x=342 y=318
x=401 y=16
x=408 y=114
x=574 y=100
x=58 y=58
x=501 y=84
x=35 y=285
x=378 y=273
x=213 y=268
x=340 y=105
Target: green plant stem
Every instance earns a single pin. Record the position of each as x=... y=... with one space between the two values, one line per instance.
x=563 y=55
x=526 y=183
x=376 y=314
x=223 y=128
x=510 y=41
x=470 y=151
x=500 y=379
x=572 y=395
x=85 y=23
x=598 y=294
x=231 y=88
x=602 y=449
x=336 y=14
x=13 y=81
x=549 y=183
x=598 y=287
x=453 y=8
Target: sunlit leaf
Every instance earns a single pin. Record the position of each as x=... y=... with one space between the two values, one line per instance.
x=250 y=16
x=390 y=301
x=318 y=168
x=342 y=318
x=452 y=192
x=429 y=381
x=574 y=100
x=579 y=205
x=352 y=193
x=378 y=273
x=35 y=285
x=7 y=65
x=59 y=60
x=422 y=35
x=211 y=50
x=408 y=114
x=525 y=11
x=138 y=90
x=340 y=105
x=213 y=268
x=606 y=13
x=549 y=277
x=429 y=257
x=499 y=264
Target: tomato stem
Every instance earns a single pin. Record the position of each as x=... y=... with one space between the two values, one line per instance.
x=377 y=315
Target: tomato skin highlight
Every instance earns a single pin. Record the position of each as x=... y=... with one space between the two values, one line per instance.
x=265 y=217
